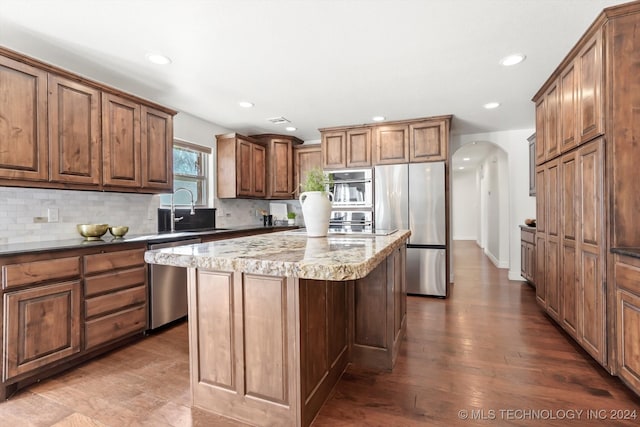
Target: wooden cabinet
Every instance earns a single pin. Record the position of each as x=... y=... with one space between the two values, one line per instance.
x=569 y=286
x=568 y=108
x=279 y=164
x=627 y=281
x=41 y=326
x=115 y=291
x=428 y=141
x=74 y=132
x=59 y=308
x=589 y=90
x=528 y=253
x=156 y=144
x=532 y=164
x=552 y=121
x=59 y=130
x=552 y=249
x=541 y=237
x=348 y=148
x=391 y=144
x=120 y=142
x=541 y=120
x=241 y=167
x=305 y=159
x=24 y=151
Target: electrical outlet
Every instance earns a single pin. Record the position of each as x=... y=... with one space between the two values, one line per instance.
x=39 y=219
x=52 y=215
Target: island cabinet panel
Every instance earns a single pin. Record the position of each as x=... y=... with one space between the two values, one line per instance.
x=216 y=312
x=74 y=132
x=371 y=300
x=120 y=142
x=41 y=326
x=23 y=128
x=265 y=338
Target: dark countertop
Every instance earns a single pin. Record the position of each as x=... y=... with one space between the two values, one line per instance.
x=107 y=239
x=632 y=252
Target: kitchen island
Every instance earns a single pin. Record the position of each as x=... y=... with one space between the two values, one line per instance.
x=275 y=319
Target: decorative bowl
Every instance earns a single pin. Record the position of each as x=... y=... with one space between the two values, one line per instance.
x=92 y=231
x=118 y=230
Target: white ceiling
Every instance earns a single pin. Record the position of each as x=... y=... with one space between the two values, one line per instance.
x=318 y=63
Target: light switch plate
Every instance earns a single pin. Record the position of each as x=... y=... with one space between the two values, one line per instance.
x=52 y=214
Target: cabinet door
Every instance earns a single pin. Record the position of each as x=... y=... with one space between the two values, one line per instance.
x=74 y=132
x=428 y=141
x=23 y=122
x=391 y=144
x=280 y=169
x=156 y=149
x=334 y=150
x=120 y=142
x=41 y=326
x=552 y=112
x=568 y=108
x=552 y=250
x=591 y=248
x=532 y=165
x=590 y=65
x=358 y=148
x=258 y=160
x=306 y=158
x=628 y=332
x=569 y=285
x=541 y=129
x=245 y=167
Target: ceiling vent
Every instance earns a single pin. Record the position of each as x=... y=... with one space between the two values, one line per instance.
x=278 y=120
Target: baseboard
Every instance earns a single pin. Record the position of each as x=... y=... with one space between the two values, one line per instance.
x=493 y=259
x=474 y=238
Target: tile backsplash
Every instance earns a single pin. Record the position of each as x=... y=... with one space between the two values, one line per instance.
x=21 y=208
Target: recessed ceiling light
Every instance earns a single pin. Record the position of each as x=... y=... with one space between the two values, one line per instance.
x=514 y=59
x=291 y=128
x=245 y=104
x=466 y=159
x=158 y=59
x=377 y=118
x=491 y=105
x=461 y=167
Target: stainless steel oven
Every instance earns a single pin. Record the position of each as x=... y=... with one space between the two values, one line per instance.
x=352 y=200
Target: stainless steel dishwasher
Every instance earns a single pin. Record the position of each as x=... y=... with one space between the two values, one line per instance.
x=167 y=289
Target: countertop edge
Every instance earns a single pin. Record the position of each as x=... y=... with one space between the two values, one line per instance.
x=630 y=252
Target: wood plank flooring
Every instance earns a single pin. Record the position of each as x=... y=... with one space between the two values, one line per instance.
x=487 y=353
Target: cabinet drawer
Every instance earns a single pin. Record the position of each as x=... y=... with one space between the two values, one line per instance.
x=114 y=326
x=115 y=301
x=627 y=273
x=113 y=260
x=26 y=273
x=112 y=281
x=528 y=236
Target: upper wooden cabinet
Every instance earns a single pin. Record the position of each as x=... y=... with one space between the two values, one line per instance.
x=59 y=130
x=279 y=164
x=305 y=159
x=568 y=108
x=156 y=143
x=589 y=89
x=405 y=141
x=24 y=151
x=241 y=167
x=74 y=132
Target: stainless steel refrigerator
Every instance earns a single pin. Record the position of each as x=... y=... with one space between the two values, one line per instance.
x=413 y=196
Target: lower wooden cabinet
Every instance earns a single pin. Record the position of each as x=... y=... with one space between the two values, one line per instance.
x=41 y=326
x=627 y=274
x=528 y=253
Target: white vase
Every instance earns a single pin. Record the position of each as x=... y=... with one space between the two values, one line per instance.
x=316 y=208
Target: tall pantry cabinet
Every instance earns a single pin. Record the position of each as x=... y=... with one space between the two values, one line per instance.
x=587 y=156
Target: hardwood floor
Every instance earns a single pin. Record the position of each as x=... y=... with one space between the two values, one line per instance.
x=487 y=350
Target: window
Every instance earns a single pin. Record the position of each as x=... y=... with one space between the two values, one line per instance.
x=190 y=171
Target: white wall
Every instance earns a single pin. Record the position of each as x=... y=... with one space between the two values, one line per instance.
x=521 y=206
x=464 y=205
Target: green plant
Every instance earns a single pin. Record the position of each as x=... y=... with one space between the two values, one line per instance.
x=291 y=215
x=316 y=180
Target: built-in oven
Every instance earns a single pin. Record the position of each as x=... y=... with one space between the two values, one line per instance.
x=352 y=199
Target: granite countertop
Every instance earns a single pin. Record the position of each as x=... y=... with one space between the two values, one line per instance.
x=288 y=254
x=632 y=252
x=107 y=239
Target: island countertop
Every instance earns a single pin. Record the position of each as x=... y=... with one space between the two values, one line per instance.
x=341 y=257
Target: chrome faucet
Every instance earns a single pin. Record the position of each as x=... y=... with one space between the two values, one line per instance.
x=173 y=208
